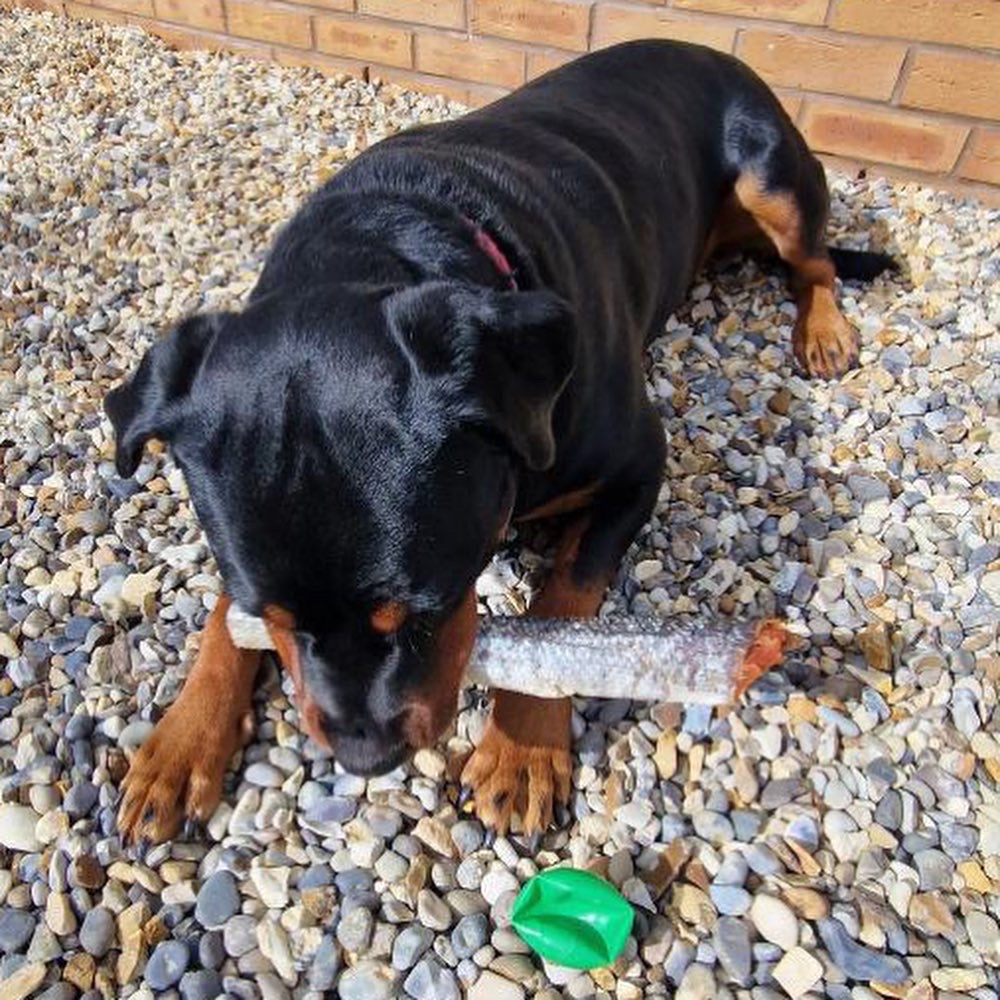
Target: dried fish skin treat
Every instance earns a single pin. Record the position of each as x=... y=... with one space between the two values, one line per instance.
x=685 y=660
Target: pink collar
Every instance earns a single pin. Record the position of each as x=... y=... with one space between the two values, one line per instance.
x=488 y=245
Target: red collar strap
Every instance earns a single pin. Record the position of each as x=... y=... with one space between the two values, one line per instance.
x=497 y=257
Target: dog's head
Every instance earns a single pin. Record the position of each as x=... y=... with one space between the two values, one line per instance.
x=353 y=456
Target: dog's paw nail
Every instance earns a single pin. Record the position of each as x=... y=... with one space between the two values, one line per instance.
x=192 y=830
x=142 y=847
x=489 y=838
x=532 y=844
x=464 y=798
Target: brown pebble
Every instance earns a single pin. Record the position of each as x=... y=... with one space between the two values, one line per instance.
x=780 y=401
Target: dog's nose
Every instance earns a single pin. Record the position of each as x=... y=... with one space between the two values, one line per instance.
x=362 y=746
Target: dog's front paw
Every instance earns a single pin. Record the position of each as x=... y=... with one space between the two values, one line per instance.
x=177 y=774
x=522 y=765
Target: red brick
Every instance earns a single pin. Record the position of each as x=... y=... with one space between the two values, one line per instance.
x=140 y=8
x=796 y=11
x=960 y=83
x=205 y=14
x=327 y=65
x=981 y=161
x=955 y=22
x=343 y=5
x=49 y=6
x=886 y=136
x=201 y=41
x=614 y=24
x=363 y=40
x=540 y=61
x=440 y=13
x=95 y=13
x=544 y=22
x=834 y=64
x=422 y=83
x=792 y=103
x=477 y=59
x=269 y=23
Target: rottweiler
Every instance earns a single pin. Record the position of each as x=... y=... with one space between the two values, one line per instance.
x=448 y=336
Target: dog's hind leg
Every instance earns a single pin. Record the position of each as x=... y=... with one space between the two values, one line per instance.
x=781 y=187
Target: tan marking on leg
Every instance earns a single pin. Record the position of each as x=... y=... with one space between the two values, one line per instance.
x=565 y=504
x=523 y=764
x=178 y=772
x=281 y=627
x=824 y=343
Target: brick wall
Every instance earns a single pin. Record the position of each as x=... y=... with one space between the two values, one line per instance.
x=911 y=87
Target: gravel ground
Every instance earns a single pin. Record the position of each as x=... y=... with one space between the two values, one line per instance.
x=838 y=834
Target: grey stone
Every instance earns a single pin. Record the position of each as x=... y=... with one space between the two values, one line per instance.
x=889 y=811
x=429 y=980
x=324 y=966
x=730 y=899
x=959 y=841
x=80 y=799
x=467 y=835
x=411 y=943
x=333 y=809
x=780 y=792
x=217 y=901
x=167 y=963
x=354 y=932
x=58 y=991
x=239 y=935
x=97 y=933
x=204 y=984
x=714 y=827
x=731 y=940
x=935 y=868
x=762 y=860
x=867 y=488
x=211 y=951
x=16 y=928
x=855 y=960
x=368 y=980
x=470 y=934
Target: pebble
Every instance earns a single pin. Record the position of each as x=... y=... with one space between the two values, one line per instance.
x=775 y=921
x=490 y=986
x=97 y=932
x=368 y=980
x=16 y=928
x=168 y=962
x=797 y=972
x=409 y=945
x=496 y=883
x=218 y=900
x=731 y=940
x=17 y=828
x=429 y=980
x=855 y=960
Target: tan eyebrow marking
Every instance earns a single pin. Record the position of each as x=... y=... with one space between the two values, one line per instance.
x=388 y=617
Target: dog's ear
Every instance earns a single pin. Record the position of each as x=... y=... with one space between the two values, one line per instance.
x=507 y=355
x=151 y=402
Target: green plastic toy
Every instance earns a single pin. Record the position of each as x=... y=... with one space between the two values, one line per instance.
x=572 y=918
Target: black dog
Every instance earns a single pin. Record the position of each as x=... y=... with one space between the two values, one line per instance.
x=447 y=335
